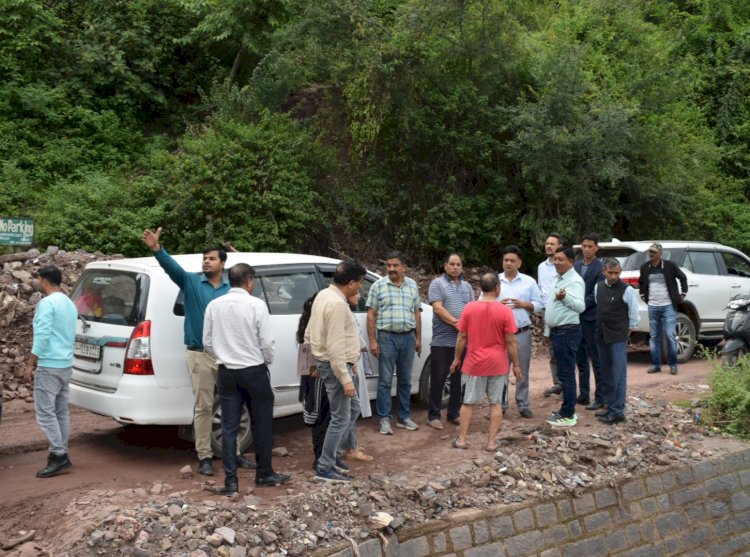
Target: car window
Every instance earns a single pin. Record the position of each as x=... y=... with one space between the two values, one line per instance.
x=364 y=290
x=634 y=261
x=285 y=294
x=735 y=264
x=701 y=263
x=108 y=296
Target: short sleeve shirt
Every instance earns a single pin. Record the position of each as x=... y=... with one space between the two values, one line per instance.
x=454 y=298
x=486 y=325
x=396 y=306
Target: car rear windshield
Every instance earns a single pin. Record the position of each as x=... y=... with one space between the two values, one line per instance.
x=111 y=296
x=634 y=261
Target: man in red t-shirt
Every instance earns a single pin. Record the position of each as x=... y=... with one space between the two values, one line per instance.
x=488 y=329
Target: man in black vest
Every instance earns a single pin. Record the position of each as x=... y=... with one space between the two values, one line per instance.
x=616 y=315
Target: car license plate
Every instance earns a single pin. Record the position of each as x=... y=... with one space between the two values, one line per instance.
x=86 y=350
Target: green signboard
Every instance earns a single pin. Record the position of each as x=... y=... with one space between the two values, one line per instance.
x=16 y=232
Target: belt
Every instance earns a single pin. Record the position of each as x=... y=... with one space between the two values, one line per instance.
x=395 y=332
x=523 y=329
x=565 y=327
x=195 y=348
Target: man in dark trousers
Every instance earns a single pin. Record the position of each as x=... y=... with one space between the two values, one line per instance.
x=616 y=315
x=658 y=287
x=590 y=269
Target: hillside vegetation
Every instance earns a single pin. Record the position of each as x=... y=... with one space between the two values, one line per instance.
x=362 y=125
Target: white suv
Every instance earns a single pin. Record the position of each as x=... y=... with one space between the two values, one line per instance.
x=129 y=353
x=715 y=274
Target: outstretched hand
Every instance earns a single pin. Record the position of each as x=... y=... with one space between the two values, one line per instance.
x=151 y=239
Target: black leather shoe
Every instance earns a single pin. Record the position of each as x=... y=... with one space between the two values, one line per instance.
x=611 y=418
x=246 y=463
x=526 y=413
x=205 y=467
x=229 y=489
x=55 y=465
x=603 y=411
x=583 y=400
x=594 y=406
x=554 y=390
x=273 y=479
x=653 y=369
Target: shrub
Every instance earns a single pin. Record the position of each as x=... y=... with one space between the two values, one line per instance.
x=729 y=403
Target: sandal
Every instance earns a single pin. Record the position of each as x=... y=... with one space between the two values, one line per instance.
x=455 y=444
x=359 y=455
x=492 y=449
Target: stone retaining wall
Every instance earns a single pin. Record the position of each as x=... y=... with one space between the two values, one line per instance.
x=701 y=510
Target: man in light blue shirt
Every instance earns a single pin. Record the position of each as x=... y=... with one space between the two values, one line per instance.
x=563 y=327
x=52 y=357
x=546 y=277
x=521 y=294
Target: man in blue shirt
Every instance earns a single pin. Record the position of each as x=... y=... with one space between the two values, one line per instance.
x=198 y=290
x=52 y=356
x=521 y=294
x=448 y=295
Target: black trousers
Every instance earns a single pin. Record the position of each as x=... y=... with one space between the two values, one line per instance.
x=251 y=385
x=441 y=358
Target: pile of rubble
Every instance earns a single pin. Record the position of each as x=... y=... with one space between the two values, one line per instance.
x=531 y=463
x=19 y=293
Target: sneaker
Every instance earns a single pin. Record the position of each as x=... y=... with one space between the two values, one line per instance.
x=557 y=420
x=673 y=370
x=330 y=476
x=385 y=426
x=407 y=423
x=341 y=467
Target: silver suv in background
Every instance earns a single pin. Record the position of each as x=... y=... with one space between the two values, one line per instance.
x=715 y=273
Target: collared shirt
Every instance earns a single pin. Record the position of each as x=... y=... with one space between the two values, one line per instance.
x=332 y=333
x=565 y=311
x=454 y=298
x=197 y=291
x=523 y=288
x=54 y=331
x=396 y=306
x=631 y=298
x=237 y=330
x=546 y=276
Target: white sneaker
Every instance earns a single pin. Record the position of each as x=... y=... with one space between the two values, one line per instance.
x=385 y=426
x=407 y=423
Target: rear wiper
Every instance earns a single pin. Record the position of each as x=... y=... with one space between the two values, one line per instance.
x=86 y=324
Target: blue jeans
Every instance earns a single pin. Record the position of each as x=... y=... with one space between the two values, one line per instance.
x=396 y=351
x=587 y=350
x=662 y=318
x=344 y=414
x=251 y=385
x=51 y=393
x=614 y=361
x=565 y=341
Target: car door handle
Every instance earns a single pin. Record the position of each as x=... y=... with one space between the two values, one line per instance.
x=693 y=285
x=735 y=286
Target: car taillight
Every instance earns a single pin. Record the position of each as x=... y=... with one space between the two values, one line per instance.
x=138 y=353
x=632 y=281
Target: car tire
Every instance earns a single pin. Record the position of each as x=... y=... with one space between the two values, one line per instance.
x=245 y=434
x=686 y=340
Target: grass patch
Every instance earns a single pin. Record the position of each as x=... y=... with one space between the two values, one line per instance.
x=728 y=406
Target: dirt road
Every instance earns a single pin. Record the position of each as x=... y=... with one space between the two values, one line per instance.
x=108 y=456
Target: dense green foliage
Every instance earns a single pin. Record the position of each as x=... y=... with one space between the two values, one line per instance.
x=729 y=403
x=363 y=125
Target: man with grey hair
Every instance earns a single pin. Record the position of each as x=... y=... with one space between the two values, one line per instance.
x=237 y=332
x=616 y=315
x=487 y=332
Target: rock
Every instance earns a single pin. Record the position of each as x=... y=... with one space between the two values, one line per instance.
x=227 y=533
x=215 y=539
x=174 y=511
x=140 y=552
x=238 y=551
x=156 y=489
x=280 y=451
x=186 y=472
x=268 y=537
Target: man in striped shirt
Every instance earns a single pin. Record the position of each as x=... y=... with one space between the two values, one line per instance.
x=394 y=329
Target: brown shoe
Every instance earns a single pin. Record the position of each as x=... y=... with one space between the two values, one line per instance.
x=359 y=455
x=436 y=424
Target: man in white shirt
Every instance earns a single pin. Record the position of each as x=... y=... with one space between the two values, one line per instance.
x=237 y=332
x=546 y=276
